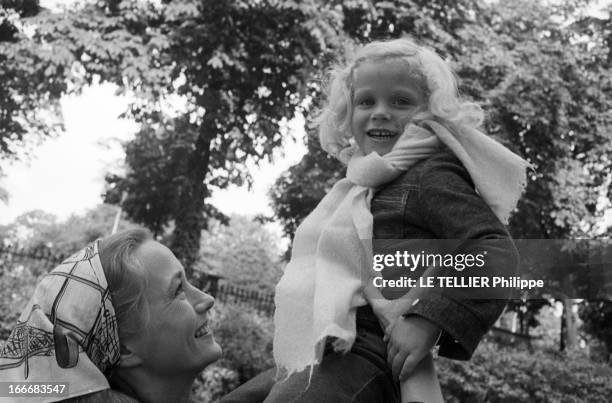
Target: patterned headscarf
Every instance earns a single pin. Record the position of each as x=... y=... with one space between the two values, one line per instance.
x=67 y=333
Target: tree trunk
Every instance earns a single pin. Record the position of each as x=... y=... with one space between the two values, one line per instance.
x=189 y=223
x=562 y=333
x=189 y=219
x=571 y=332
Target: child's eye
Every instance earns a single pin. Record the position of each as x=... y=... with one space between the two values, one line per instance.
x=403 y=101
x=364 y=101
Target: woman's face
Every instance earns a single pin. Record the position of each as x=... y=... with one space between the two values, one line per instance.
x=177 y=337
x=386 y=97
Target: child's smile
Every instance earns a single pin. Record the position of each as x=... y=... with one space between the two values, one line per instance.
x=386 y=97
x=381 y=134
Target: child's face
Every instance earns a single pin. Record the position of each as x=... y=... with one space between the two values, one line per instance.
x=386 y=97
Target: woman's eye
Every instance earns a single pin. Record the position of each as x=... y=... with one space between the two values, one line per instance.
x=180 y=290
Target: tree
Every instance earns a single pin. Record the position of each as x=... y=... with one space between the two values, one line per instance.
x=33 y=79
x=42 y=231
x=551 y=90
x=298 y=190
x=240 y=67
x=243 y=252
x=596 y=317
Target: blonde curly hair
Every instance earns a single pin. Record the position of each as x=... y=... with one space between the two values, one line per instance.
x=438 y=80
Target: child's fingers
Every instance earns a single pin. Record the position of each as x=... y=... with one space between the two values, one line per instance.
x=391 y=351
x=372 y=293
x=398 y=363
x=388 y=331
x=408 y=367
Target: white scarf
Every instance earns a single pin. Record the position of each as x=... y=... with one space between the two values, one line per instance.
x=321 y=287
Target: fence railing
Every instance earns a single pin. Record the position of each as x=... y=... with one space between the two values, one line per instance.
x=237 y=295
x=41 y=260
x=38 y=261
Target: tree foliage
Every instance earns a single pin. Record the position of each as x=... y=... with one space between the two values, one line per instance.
x=596 y=317
x=298 y=190
x=213 y=80
x=39 y=230
x=547 y=91
x=243 y=252
x=33 y=78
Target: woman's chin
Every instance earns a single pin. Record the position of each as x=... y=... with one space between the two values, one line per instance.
x=210 y=352
x=217 y=353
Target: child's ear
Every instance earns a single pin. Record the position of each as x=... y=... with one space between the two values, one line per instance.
x=128 y=358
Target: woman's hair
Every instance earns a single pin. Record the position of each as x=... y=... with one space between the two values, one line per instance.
x=437 y=80
x=126 y=279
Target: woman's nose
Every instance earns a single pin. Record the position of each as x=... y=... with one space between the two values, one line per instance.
x=203 y=302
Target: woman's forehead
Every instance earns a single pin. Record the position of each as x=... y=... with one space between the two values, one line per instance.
x=159 y=262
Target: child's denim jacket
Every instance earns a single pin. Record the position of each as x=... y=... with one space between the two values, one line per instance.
x=435 y=199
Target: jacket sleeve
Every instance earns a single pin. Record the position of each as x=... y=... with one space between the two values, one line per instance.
x=450 y=207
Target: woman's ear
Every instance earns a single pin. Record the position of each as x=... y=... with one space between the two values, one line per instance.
x=128 y=358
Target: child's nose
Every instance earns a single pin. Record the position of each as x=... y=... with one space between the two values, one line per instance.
x=380 y=113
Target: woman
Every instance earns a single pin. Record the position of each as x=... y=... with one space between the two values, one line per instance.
x=119 y=313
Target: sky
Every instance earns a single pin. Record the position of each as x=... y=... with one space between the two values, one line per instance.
x=65 y=175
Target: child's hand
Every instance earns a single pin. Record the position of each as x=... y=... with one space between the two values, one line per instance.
x=411 y=339
x=387 y=311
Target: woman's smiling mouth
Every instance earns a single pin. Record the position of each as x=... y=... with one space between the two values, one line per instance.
x=202 y=330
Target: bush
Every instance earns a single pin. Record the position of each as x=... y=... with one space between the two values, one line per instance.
x=214 y=383
x=246 y=338
x=16 y=287
x=500 y=375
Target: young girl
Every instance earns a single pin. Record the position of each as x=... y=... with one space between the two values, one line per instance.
x=416 y=169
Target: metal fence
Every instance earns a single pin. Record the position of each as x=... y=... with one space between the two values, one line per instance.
x=38 y=260
x=41 y=260
x=263 y=302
